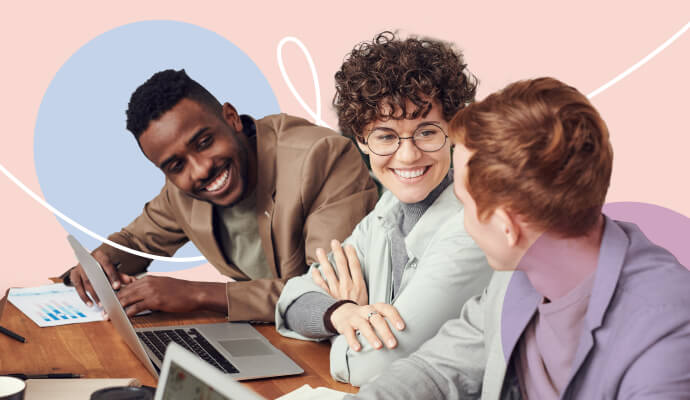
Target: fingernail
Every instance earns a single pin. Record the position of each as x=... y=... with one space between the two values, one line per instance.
x=391 y=343
x=90 y=304
x=400 y=326
x=356 y=348
x=99 y=304
x=116 y=285
x=334 y=242
x=377 y=344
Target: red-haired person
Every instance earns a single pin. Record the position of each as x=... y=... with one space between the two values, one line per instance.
x=588 y=307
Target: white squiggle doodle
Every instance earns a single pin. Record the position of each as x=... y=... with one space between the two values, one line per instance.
x=317 y=91
x=89 y=232
x=641 y=62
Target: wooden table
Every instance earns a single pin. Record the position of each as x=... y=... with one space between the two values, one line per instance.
x=95 y=350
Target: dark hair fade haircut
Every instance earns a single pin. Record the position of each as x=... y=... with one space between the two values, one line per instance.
x=160 y=93
x=378 y=78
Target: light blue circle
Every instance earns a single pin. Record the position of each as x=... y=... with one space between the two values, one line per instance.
x=89 y=166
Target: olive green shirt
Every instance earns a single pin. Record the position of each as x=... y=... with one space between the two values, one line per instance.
x=237 y=233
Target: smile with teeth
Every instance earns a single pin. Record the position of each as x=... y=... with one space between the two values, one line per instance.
x=219 y=182
x=410 y=173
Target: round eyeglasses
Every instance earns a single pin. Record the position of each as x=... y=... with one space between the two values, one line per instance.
x=384 y=142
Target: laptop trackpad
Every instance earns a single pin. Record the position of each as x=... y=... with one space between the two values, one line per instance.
x=246 y=347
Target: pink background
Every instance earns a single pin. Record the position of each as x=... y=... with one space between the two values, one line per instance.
x=585 y=45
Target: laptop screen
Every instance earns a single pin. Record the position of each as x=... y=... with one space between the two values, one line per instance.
x=182 y=385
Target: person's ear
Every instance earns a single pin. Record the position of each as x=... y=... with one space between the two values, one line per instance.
x=510 y=229
x=362 y=146
x=231 y=117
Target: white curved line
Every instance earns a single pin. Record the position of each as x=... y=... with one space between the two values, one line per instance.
x=89 y=232
x=641 y=62
x=279 y=54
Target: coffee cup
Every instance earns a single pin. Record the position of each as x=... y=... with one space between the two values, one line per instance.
x=11 y=388
x=123 y=393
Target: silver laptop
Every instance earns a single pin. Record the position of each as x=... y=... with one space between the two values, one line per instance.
x=236 y=349
x=184 y=376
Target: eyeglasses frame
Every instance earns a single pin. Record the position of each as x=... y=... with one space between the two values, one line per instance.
x=400 y=139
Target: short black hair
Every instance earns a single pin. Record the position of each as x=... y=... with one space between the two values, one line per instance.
x=160 y=93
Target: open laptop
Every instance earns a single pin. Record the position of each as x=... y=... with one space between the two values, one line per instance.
x=236 y=349
x=184 y=376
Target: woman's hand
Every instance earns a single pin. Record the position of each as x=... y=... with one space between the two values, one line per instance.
x=349 y=283
x=369 y=320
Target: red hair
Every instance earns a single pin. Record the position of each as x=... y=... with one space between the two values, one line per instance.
x=539 y=149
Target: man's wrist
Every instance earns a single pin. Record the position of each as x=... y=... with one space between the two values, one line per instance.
x=210 y=296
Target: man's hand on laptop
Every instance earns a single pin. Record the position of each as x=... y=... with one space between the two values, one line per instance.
x=162 y=293
x=81 y=282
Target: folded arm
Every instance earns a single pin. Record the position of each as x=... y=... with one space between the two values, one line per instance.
x=303 y=303
x=451 y=273
x=312 y=313
x=448 y=366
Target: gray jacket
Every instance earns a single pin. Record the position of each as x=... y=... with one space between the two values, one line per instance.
x=635 y=342
x=445 y=268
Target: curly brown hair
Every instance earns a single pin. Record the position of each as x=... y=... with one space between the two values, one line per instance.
x=378 y=78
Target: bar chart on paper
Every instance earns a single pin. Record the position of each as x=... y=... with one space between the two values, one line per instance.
x=53 y=305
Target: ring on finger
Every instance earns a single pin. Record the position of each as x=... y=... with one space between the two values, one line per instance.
x=371 y=314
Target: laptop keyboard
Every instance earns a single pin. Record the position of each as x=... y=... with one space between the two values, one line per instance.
x=191 y=340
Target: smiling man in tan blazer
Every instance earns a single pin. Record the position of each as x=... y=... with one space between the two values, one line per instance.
x=256 y=197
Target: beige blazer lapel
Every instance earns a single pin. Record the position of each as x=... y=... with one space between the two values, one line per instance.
x=265 y=190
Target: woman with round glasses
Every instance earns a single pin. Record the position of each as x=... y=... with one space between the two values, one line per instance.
x=409 y=265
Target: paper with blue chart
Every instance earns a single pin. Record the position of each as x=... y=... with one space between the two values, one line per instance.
x=53 y=305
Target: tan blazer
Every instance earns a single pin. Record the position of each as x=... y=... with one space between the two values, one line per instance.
x=312 y=187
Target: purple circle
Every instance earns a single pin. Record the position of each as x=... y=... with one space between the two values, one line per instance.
x=662 y=226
